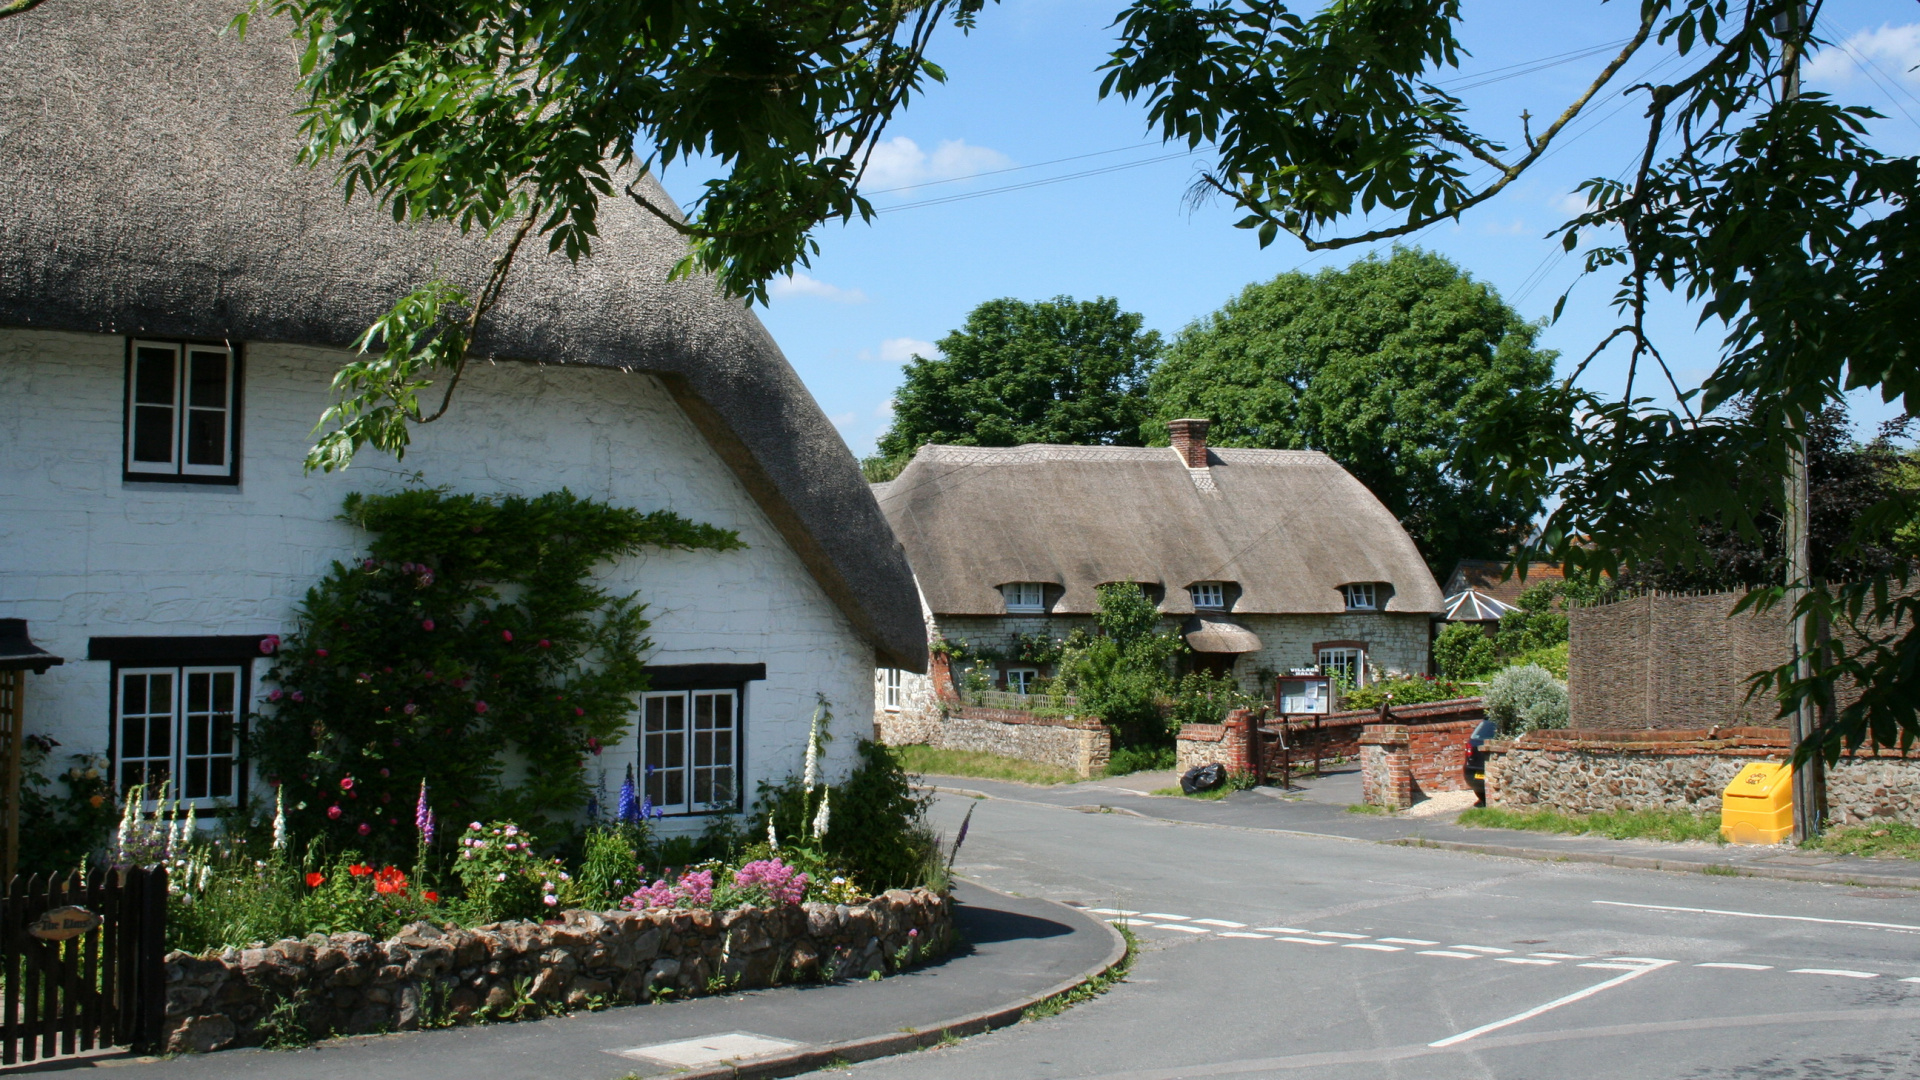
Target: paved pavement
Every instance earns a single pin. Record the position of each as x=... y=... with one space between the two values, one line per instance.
x=1016 y=949
x=1269 y=951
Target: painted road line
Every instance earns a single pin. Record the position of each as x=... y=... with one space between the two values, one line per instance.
x=1524 y=960
x=1739 y=967
x=1641 y=960
x=1111 y=911
x=1917 y=980
x=1160 y=915
x=1371 y=945
x=1562 y=955
x=1221 y=922
x=1453 y=1040
x=1183 y=929
x=1840 y=972
x=1308 y=940
x=1338 y=934
x=1760 y=915
x=1279 y=930
x=1236 y=933
x=1488 y=949
x=1455 y=955
x=1408 y=941
x=1619 y=967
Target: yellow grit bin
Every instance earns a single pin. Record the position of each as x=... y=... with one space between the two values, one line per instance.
x=1757 y=807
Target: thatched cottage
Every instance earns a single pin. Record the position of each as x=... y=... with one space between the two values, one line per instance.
x=176 y=295
x=1264 y=560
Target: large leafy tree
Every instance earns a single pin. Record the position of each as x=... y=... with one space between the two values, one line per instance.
x=1056 y=371
x=1382 y=365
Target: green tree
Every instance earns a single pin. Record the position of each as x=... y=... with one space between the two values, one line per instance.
x=1382 y=365
x=1125 y=673
x=1057 y=371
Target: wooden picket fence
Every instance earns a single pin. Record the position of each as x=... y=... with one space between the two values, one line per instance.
x=81 y=960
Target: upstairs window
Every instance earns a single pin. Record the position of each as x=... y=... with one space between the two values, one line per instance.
x=1208 y=595
x=1025 y=596
x=182 y=412
x=1362 y=597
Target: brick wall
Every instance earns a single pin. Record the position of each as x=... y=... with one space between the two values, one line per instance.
x=1586 y=771
x=1400 y=764
x=1081 y=745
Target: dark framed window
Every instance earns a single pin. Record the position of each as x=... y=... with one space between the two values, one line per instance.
x=183 y=412
x=179 y=714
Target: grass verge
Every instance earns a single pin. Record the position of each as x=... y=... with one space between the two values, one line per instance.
x=1614 y=825
x=929 y=759
x=1887 y=840
x=1086 y=991
x=1366 y=808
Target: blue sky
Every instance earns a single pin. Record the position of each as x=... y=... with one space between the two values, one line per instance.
x=1115 y=221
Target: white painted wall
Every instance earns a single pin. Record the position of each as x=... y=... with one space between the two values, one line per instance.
x=86 y=554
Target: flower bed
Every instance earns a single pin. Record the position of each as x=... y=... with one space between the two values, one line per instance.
x=433 y=976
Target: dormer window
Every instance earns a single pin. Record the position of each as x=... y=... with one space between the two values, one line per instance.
x=1208 y=595
x=1362 y=596
x=1025 y=596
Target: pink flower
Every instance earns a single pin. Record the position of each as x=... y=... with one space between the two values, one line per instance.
x=346 y=783
x=333 y=812
x=551 y=900
x=426 y=624
x=578 y=711
x=480 y=707
x=365 y=828
x=410 y=708
x=545 y=644
x=506 y=635
x=319 y=652
x=366 y=564
x=269 y=644
x=274 y=695
x=298 y=696
x=384 y=772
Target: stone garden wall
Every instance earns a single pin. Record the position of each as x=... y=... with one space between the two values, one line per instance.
x=1079 y=744
x=1588 y=771
x=428 y=976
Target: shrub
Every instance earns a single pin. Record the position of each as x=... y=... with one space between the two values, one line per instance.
x=504 y=879
x=1523 y=699
x=1200 y=698
x=1464 y=651
x=874 y=830
x=59 y=831
x=1125 y=673
x=1133 y=759
x=1552 y=657
x=1411 y=690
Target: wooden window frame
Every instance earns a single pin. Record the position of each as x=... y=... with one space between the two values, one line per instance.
x=1218 y=589
x=891 y=683
x=1033 y=676
x=181 y=671
x=178 y=470
x=1022 y=607
x=1372 y=594
x=1359 y=658
x=657 y=775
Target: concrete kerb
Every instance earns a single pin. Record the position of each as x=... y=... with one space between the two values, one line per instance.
x=1677 y=866
x=811 y=1058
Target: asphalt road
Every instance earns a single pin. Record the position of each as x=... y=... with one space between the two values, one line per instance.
x=1274 y=954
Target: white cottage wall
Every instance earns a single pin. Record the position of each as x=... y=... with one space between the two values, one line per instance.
x=88 y=554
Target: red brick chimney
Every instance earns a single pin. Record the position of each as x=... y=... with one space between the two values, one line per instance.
x=1190 y=440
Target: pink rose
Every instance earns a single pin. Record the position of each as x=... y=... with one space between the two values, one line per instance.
x=365 y=828
x=506 y=635
x=346 y=783
x=545 y=644
x=480 y=707
x=270 y=644
x=426 y=624
x=333 y=812
x=298 y=696
x=319 y=652
x=274 y=695
x=578 y=711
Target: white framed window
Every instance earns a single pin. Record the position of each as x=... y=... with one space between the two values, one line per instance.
x=1362 y=597
x=1020 y=680
x=690 y=749
x=179 y=723
x=182 y=406
x=1208 y=594
x=892 y=687
x=1345 y=661
x=1025 y=596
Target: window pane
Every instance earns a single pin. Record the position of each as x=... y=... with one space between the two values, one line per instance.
x=152 y=434
x=146 y=729
x=206 y=437
x=208 y=385
x=153 y=376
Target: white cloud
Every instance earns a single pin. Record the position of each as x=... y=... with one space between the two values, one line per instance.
x=1894 y=50
x=899 y=162
x=884 y=410
x=899 y=350
x=844 y=420
x=1572 y=204
x=792 y=285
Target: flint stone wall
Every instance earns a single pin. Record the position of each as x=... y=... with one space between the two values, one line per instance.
x=427 y=975
x=1586 y=772
x=1081 y=745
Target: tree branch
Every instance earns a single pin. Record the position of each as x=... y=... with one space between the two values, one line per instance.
x=489 y=295
x=17 y=7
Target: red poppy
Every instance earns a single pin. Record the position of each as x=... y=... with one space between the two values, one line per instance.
x=359 y=869
x=431 y=896
x=388 y=881
x=315 y=879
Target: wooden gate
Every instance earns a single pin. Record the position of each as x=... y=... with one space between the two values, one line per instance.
x=81 y=959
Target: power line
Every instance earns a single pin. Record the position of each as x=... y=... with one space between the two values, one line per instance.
x=1038 y=183
x=1015 y=168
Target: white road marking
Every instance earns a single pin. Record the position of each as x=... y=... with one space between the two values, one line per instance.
x=1488 y=949
x=1308 y=940
x=1455 y=955
x=1452 y=1040
x=1236 y=933
x=1910 y=980
x=1761 y=915
x=1371 y=945
x=1279 y=930
x=1523 y=960
x=1221 y=922
x=1640 y=960
x=1841 y=972
x=1619 y=967
x=1111 y=911
x=1338 y=934
x=1409 y=941
x=1160 y=915
x=1183 y=929
x=1739 y=967
x=1562 y=955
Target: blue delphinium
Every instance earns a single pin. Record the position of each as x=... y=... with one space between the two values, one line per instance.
x=628 y=811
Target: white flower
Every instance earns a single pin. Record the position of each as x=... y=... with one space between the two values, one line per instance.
x=820 y=819
x=773 y=839
x=279 y=818
x=499 y=877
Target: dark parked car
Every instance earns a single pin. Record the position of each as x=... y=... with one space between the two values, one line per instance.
x=1477 y=760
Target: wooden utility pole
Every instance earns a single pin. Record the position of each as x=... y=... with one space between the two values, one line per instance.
x=1808 y=805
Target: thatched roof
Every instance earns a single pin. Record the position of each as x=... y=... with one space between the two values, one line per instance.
x=148 y=185
x=1288 y=528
